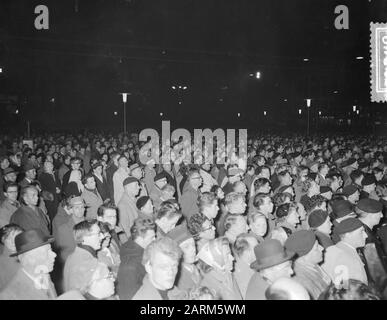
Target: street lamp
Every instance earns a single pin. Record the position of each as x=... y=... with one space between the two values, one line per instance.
x=299 y=111
x=264 y=113
x=239 y=114
x=308 y=103
x=354 y=108
x=319 y=113
x=124 y=100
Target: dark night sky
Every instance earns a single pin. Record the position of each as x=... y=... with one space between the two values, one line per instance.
x=95 y=49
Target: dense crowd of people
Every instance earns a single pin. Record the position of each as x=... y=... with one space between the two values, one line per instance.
x=303 y=218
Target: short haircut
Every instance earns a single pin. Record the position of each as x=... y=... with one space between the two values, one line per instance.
x=233 y=197
x=195 y=224
x=83 y=229
x=102 y=209
x=168 y=210
x=206 y=199
x=75 y=159
x=254 y=216
x=24 y=191
x=276 y=294
x=6 y=231
x=140 y=227
x=163 y=245
x=87 y=177
x=241 y=244
x=259 y=199
x=230 y=220
x=260 y=182
x=9 y=184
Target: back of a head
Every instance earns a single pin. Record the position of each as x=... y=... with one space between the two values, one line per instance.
x=352 y=290
x=286 y=289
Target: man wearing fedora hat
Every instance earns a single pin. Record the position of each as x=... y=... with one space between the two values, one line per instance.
x=29 y=215
x=127 y=208
x=32 y=281
x=306 y=266
x=272 y=262
x=30 y=175
x=342 y=262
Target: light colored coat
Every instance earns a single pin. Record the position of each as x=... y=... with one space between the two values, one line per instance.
x=127 y=213
x=342 y=260
x=6 y=211
x=93 y=201
x=118 y=184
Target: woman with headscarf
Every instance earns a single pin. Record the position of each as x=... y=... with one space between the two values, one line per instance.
x=216 y=263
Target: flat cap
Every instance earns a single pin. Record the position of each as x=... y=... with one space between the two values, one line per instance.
x=368 y=180
x=341 y=208
x=349 y=190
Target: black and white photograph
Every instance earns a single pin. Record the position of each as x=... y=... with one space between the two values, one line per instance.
x=193 y=150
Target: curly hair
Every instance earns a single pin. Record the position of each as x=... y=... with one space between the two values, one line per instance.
x=195 y=224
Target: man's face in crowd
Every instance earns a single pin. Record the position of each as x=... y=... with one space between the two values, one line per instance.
x=31 y=197
x=78 y=210
x=123 y=163
x=138 y=173
x=4 y=164
x=211 y=211
x=326 y=227
x=90 y=183
x=240 y=225
x=132 y=189
x=267 y=206
x=354 y=198
x=31 y=174
x=238 y=206
x=162 y=270
x=94 y=238
x=11 y=177
x=148 y=207
x=208 y=231
x=12 y=193
x=316 y=254
x=110 y=217
x=357 y=238
x=259 y=226
x=75 y=165
x=44 y=258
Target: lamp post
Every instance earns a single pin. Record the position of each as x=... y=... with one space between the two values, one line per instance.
x=308 y=103
x=124 y=99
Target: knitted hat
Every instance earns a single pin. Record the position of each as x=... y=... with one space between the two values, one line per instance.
x=348 y=225
x=317 y=218
x=301 y=242
x=370 y=205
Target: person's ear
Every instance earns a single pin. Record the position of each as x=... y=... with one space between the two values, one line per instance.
x=148 y=268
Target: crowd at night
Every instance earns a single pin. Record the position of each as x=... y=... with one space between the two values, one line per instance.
x=296 y=211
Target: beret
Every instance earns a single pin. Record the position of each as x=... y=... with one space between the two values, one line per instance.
x=325 y=189
x=129 y=180
x=179 y=234
x=142 y=202
x=301 y=242
x=370 y=205
x=348 y=225
x=160 y=176
x=349 y=190
x=368 y=180
x=8 y=170
x=341 y=208
x=317 y=218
